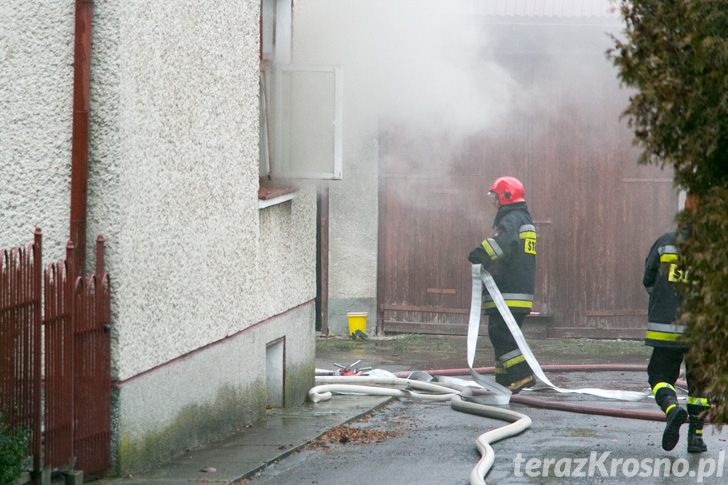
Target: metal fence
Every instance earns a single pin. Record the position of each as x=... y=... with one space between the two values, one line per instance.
x=58 y=333
x=20 y=340
x=76 y=385
x=92 y=371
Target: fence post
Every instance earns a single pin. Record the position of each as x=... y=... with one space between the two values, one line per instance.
x=100 y=263
x=71 y=344
x=37 y=322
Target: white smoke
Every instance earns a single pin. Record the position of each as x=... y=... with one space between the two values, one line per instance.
x=416 y=61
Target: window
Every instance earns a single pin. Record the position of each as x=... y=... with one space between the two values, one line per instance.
x=275 y=48
x=300 y=120
x=306 y=139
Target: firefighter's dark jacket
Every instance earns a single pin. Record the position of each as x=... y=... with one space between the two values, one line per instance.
x=662 y=273
x=510 y=256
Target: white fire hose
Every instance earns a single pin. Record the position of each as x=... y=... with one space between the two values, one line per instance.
x=519 y=423
x=420 y=390
x=480 y=277
x=458 y=391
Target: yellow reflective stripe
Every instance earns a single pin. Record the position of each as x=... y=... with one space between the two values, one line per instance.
x=660 y=385
x=698 y=431
x=510 y=303
x=519 y=303
x=668 y=258
x=515 y=360
x=489 y=249
x=667 y=337
x=699 y=401
x=669 y=407
x=528 y=235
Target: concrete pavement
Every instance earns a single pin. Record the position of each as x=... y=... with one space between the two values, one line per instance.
x=280 y=433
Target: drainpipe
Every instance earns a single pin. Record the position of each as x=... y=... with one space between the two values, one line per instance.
x=79 y=144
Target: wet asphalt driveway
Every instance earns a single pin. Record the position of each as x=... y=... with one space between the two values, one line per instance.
x=429 y=443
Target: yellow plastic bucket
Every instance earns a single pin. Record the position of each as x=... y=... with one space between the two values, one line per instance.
x=357 y=321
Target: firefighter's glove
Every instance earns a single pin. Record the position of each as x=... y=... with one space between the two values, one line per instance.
x=479 y=256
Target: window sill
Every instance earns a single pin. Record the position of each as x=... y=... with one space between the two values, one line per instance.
x=272 y=193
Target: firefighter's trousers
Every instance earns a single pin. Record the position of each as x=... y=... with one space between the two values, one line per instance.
x=662 y=372
x=510 y=365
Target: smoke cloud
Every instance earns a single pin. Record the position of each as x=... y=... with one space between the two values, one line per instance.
x=416 y=61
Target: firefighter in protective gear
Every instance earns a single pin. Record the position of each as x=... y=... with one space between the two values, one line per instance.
x=510 y=256
x=665 y=334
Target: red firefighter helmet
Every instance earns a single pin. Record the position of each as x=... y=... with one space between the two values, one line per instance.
x=509 y=190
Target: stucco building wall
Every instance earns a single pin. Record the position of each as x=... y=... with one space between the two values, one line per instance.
x=36 y=76
x=198 y=271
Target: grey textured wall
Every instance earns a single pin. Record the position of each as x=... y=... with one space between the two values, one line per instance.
x=209 y=394
x=175 y=169
x=36 y=76
x=173 y=188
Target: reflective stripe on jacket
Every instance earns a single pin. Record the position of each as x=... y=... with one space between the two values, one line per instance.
x=511 y=258
x=662 y=273
x=665 y=335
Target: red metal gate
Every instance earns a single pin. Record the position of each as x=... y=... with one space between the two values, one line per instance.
x=92 y=373
x=78 y=365
x=58 y=329
x=76 y=342
x=20 y=340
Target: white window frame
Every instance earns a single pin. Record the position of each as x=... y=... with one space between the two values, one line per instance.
x=283 y=32
x=338 y=121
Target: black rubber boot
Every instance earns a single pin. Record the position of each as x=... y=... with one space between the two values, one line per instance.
x=675 y=418
x=697 y=412
x=527 y=381
x=695 y=441
x=501 y=375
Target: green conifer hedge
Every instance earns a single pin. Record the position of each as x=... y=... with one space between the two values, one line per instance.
x=674 y=53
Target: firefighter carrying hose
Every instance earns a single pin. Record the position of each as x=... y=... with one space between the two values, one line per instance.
x=510 y=256
x=665 y=334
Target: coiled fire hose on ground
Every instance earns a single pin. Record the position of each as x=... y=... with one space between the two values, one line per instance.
x=465 y=399
x=419 y=390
